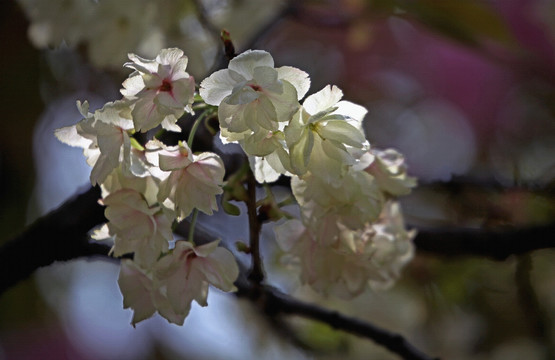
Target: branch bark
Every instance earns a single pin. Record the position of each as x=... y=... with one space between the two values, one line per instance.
x=495 y=244
x=60 y=235
x=274 y=302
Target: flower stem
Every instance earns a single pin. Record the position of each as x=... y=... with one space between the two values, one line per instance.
x=195 y=127
x=192 y=226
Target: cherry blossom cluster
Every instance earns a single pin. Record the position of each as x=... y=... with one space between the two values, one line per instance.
x=350 y=232
x=147 y=188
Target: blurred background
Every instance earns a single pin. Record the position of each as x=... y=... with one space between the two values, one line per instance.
x=465 y=89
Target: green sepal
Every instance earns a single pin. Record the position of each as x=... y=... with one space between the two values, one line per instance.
x=229 y=208
x=136 y=144
x=242 y=247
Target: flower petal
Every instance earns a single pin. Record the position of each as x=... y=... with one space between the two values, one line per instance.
x=322 y=100
x=217 y=86
x=298 y=78
x=245 y=63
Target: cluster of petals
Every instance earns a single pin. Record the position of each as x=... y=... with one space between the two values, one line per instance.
x=160 y=90
x=187 y=180
x=371 y=256
x=258 y=107
x=343 y=187
x=390 y=172
x=146 y=188
x=325 y=136
x=252 y=96
x=176 y=279
x=355 y=200
x=140 y=222
x=137 y=227
x=103 y=136
x=350 y=234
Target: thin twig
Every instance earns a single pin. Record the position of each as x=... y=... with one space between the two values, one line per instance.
x=290 y=9
x=256 y=273
x=392 y=341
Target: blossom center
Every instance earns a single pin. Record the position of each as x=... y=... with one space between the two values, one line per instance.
x=166 y=86
x=255 y=87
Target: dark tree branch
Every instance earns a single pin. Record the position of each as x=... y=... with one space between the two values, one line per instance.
x=458 y=184
x=62 y=235
x=58 y=236
x=495 y=244
x=275 y=302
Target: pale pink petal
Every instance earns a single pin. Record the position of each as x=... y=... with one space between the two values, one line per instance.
x=245 y=63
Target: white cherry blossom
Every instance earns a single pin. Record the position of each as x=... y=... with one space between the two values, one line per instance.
x=252 y=95
x=175 y=280
x=355 y=200
x=191 y=181
x=322 y=135
x=138 y=290
x=268 y=155
x=350 y=235
x=185 y=274
x=103 y=136
x=372 y=256
x=143 y=293
x=159 y=90
x=138 y=228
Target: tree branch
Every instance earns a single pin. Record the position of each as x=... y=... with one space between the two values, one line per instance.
x=496 y=244
x=275 y=302
x=62 y=235
x=58 y=236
